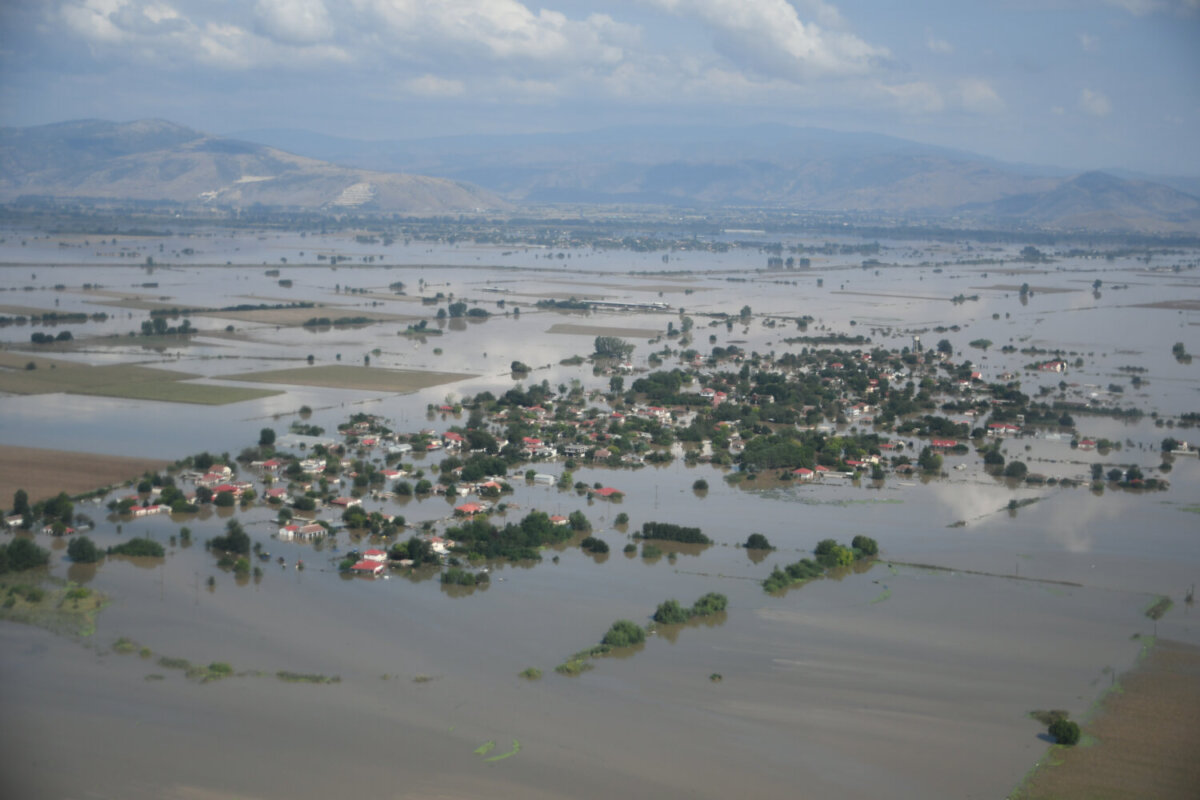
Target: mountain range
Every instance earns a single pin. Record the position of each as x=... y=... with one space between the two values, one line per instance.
x=154 y=161
x=763 y=166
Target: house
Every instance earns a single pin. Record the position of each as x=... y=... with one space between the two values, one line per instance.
x=608 y=491
x=545 y=479
x=558 y=519
x=375 y=554
x=366 y=567
x=803 y=474
x=346 y=502
x=277 y=494
x=1057 y=365
x=454 y=440
x=1087 y=444
x=943 y=444
x=467 y=509
x=1003 y=429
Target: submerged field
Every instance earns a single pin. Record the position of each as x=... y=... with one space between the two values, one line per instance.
x=347 y=377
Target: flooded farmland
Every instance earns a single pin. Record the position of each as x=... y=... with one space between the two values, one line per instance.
x=910 y=678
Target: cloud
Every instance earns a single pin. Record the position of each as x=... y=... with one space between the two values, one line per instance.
x=1088 y=42
x=768 y=36
x=495 y=30
x=157 y=32
x=978 y=96
x=1094 y=103
x=914 y=97
x=1140 y=8
x=298 y=21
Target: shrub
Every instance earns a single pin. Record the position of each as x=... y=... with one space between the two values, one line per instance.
x=83 y=550
x=139 y=547
x=593 y=545
x=1065 y=731
x=671 y=613
x=865 y=545
x=624 y=633
x=756 y=541
x=711 y=603
x=700 y=485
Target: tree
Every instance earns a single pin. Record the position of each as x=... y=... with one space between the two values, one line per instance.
x=266 y=437
x=1016 y=469
x=234 y=541
x=671 y=613
x=944 y=346
x=756 y=541
x=612 y=347
x=624 y=633
x=1064 y=731
x=20 y=506
x=929 y=461
x=458 y=309
x=865 y=545
x=21 y=554
x=82 y=550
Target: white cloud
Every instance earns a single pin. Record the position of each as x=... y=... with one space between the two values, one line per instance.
x=1089 y=43
x=1095 y=103
x=978 y=96
x=498 y=30
x=297 y=21
x=1141 y=8
x=769 y=37
x=146 y=30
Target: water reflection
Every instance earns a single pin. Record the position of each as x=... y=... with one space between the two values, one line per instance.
x=82 y=573
x=671 y=632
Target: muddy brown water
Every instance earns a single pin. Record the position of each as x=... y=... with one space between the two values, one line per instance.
x=897 y=681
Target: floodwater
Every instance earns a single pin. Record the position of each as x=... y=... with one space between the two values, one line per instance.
x=897 y=681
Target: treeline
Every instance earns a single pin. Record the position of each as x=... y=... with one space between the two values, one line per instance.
x=479 y=538
x=829 y=554
x=671 y=613
x=176 y=311
x=53 y=318
x=326 y=322
x=672 y=533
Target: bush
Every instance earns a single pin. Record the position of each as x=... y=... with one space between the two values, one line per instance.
x=671 y=613
x=139 y=547
x=82 y=550
x=624 y=633
x=865 y=545
x=1065 y=731
x=593 y=545
x=709 y=604
x=673 y=533
x=700 y=485
x=756 y=541
x=1016 y=469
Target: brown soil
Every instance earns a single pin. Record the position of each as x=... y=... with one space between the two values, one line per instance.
x=1147 y=738
x=45 y=473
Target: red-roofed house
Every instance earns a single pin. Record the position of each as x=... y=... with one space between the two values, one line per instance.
x=804 y=474
x=366 y=567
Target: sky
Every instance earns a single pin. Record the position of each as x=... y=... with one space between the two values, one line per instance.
x=1081 y=84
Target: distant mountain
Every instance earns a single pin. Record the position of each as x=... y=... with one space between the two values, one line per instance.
x=770 y=166
x=153 y=160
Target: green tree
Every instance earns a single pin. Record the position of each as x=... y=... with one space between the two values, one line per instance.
x=624 y=633
x=1065 y=731
x=671 y=613
x=756 y=541
x=82 y=550
x=929 y=461
x=20 y=506
x=266 y=437
x=612 y=347
x=21 y=554
x=1016 y=469
x=865 y=545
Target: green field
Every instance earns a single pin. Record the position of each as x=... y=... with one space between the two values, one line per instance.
x=115 y=380
x=336 y=376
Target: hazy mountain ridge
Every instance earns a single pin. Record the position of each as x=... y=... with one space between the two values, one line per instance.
x=771 y=165
x=153 y=160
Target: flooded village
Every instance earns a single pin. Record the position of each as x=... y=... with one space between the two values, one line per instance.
x=372 y=496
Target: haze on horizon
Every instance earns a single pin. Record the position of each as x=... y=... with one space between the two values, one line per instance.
x=1071 y=83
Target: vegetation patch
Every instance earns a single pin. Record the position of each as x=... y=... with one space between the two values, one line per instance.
x=306 y=677
x=58 y=606
x=829 y=555
x=1159 y=607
